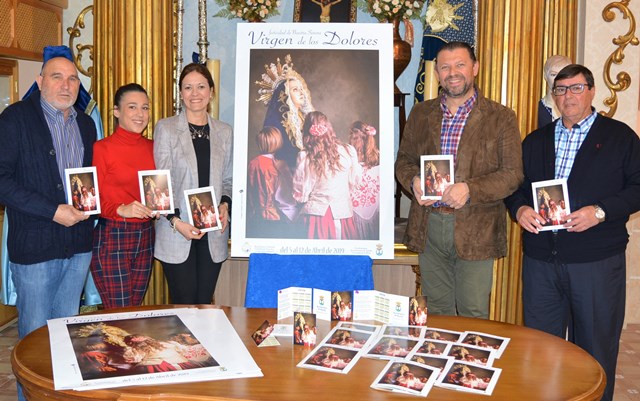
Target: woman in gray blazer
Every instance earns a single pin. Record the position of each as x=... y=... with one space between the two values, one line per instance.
x=198 y=151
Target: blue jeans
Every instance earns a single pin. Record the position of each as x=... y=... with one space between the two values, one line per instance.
x=48 y=290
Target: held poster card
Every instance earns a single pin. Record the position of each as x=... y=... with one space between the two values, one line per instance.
x=119 y=349
x=82 y=189
x=286 y=72
x=155 y=190
x=203 y=209
x=551 y=202
x=406 y=377
x=436 y=174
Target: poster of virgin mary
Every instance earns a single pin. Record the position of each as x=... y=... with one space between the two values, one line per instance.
x=314 y=140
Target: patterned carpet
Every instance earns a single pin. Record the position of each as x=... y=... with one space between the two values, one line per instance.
x=627 y=381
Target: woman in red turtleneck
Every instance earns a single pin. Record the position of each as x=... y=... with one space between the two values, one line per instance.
x=124 y=237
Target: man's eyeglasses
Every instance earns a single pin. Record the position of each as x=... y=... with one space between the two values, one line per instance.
x=575 y=89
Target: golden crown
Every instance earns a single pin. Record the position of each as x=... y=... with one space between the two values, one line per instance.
x=274 y=74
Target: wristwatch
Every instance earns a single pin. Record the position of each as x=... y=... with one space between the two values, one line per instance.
x=600 y=214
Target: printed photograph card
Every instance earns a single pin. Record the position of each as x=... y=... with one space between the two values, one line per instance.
x=263 y=335
x=82 y=189
x=406 y=377
x=469 y=377
x=418 y=311
x=305 y=329
x=389 y=347
x=342 y=306
x=436 y=174
x=331 y=358
x=338 y=79
x=484 y=340
x=433 y=347
x=472 y=354
x=551 y=202
x=348 y=337
x=433 y=333
x=403 y=330
x=372 y=328
x=155 y=190
x=203 y=209
x=438 y=362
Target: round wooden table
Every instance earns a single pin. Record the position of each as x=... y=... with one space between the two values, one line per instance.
x=535 y=366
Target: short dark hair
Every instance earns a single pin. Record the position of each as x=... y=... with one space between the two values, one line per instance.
x=572 y=70
x=200 y=69
x=132 y=87
x=450 y=46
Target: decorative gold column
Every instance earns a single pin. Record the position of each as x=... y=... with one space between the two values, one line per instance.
x=514 y=39
x=133 y=42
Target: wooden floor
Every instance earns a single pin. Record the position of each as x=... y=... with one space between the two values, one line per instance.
x=627 y=380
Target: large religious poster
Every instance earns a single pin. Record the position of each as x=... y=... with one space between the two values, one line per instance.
x=314 y=140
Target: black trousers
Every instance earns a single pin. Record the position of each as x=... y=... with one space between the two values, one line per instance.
x=589 y=296
x=194 y=280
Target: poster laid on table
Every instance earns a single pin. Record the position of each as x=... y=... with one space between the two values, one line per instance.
x=146 y=348
x=314 y=140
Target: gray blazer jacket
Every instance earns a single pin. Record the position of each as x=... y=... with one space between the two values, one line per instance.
x=173 y=150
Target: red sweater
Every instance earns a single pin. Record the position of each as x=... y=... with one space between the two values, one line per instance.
x=118 y=158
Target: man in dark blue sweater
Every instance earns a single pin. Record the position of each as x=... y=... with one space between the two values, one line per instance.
x=577 y=275
x=49 y=241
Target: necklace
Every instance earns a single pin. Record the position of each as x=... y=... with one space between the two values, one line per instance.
x=199 y=131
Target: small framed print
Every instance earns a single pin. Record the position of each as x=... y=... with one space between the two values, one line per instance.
x=82 y=189
x=436 y=174
x=155 y=190
x=203 y=209
x=551 y=202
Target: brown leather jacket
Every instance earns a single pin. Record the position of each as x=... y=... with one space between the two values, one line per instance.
x=489 y=160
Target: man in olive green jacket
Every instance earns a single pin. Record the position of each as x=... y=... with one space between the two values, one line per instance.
x=459 y=236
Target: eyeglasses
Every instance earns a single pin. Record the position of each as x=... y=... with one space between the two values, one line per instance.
x=575 y=89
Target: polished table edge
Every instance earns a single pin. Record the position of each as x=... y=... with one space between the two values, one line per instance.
x=44 y=386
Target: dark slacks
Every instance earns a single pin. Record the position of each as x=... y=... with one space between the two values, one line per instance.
x=194 y=280
x=589 y=296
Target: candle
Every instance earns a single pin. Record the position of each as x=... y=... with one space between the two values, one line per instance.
x=430 y=80
x=214 y=105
